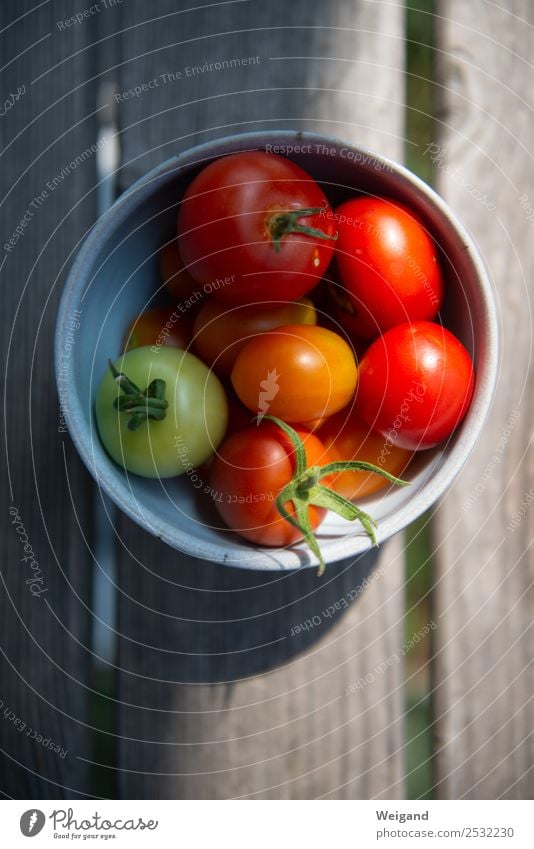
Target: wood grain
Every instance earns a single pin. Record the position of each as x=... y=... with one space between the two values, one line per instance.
x=45 y=652
x=334 y=69
x=220 y=700
x=484 y=596
x=216 y=699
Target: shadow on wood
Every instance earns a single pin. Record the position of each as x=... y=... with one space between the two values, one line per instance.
x=215 y=624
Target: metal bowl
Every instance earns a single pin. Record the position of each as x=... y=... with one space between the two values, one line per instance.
x=115 y=276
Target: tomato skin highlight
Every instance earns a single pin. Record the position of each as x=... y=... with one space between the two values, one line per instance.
x=250 y=470
x=296 y=373
x=346 y=437
x=388 y=265
x=194 y=424
x=224 y=228
x=416 y=384
x=220 y=331
x=160 y=326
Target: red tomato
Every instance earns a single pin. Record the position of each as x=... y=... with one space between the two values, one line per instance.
x=180 y=285
x=255 y=225
x=388 y=265
x=415 y=384
x=346 y=437
x=296 y=373
x=220 y=332
x=250 y=470
x=157 y=327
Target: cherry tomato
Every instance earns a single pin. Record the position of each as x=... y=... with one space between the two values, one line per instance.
x=161 y=443
x=220 y=332
x=259 y=222
x=388 y=265
x=180 y=285
x=159 y=326
x=346 y=437
x=415 y=384
x=331 y=299
x=250 y=470
x=297 y=373
x=340 y=308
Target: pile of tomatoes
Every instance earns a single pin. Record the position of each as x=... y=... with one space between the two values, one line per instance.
x=299 y=363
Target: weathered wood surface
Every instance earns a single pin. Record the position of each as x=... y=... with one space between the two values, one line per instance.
x=44 y=654
x=484 y=598
x=216 y=699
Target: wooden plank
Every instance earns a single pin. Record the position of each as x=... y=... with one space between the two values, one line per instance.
x=351 y=85
x=219 y=700
x=47 y=495
x=484 y=594
x=216 y=699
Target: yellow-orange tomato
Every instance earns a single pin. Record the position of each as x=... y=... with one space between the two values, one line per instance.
x=180 y=285
x=347 y=438
x=296 y=372
x=158 y=326
x=220 y=332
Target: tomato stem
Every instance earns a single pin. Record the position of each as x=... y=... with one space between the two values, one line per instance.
x=286 y=221
x=305 y=490
x=360 y=466
x=300 y=451
x=141 y=405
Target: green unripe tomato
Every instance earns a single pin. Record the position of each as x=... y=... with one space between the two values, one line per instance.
x=193 y=424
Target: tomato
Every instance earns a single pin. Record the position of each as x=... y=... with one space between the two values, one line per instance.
x=297 y=373
x=150 y=439
x=415 y=384
x=272 y=484
x=388 y=265
x=251 y=469
x=158 y=326
x=346 y=437
x=331 y=299
x=257 y=223
x=220 y=332
x=180 y=285
x=341 y=310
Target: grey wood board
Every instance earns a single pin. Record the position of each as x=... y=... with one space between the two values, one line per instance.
x=334 y=68
x=45 y=650
x=484 y=709
x=215 y=698
x=220 y=696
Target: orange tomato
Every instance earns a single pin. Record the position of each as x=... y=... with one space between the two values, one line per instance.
x=346 y=437
x=296 y=373
x=220 y=332
x=160 y=326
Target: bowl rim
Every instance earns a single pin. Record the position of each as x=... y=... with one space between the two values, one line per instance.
x=258 y=558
